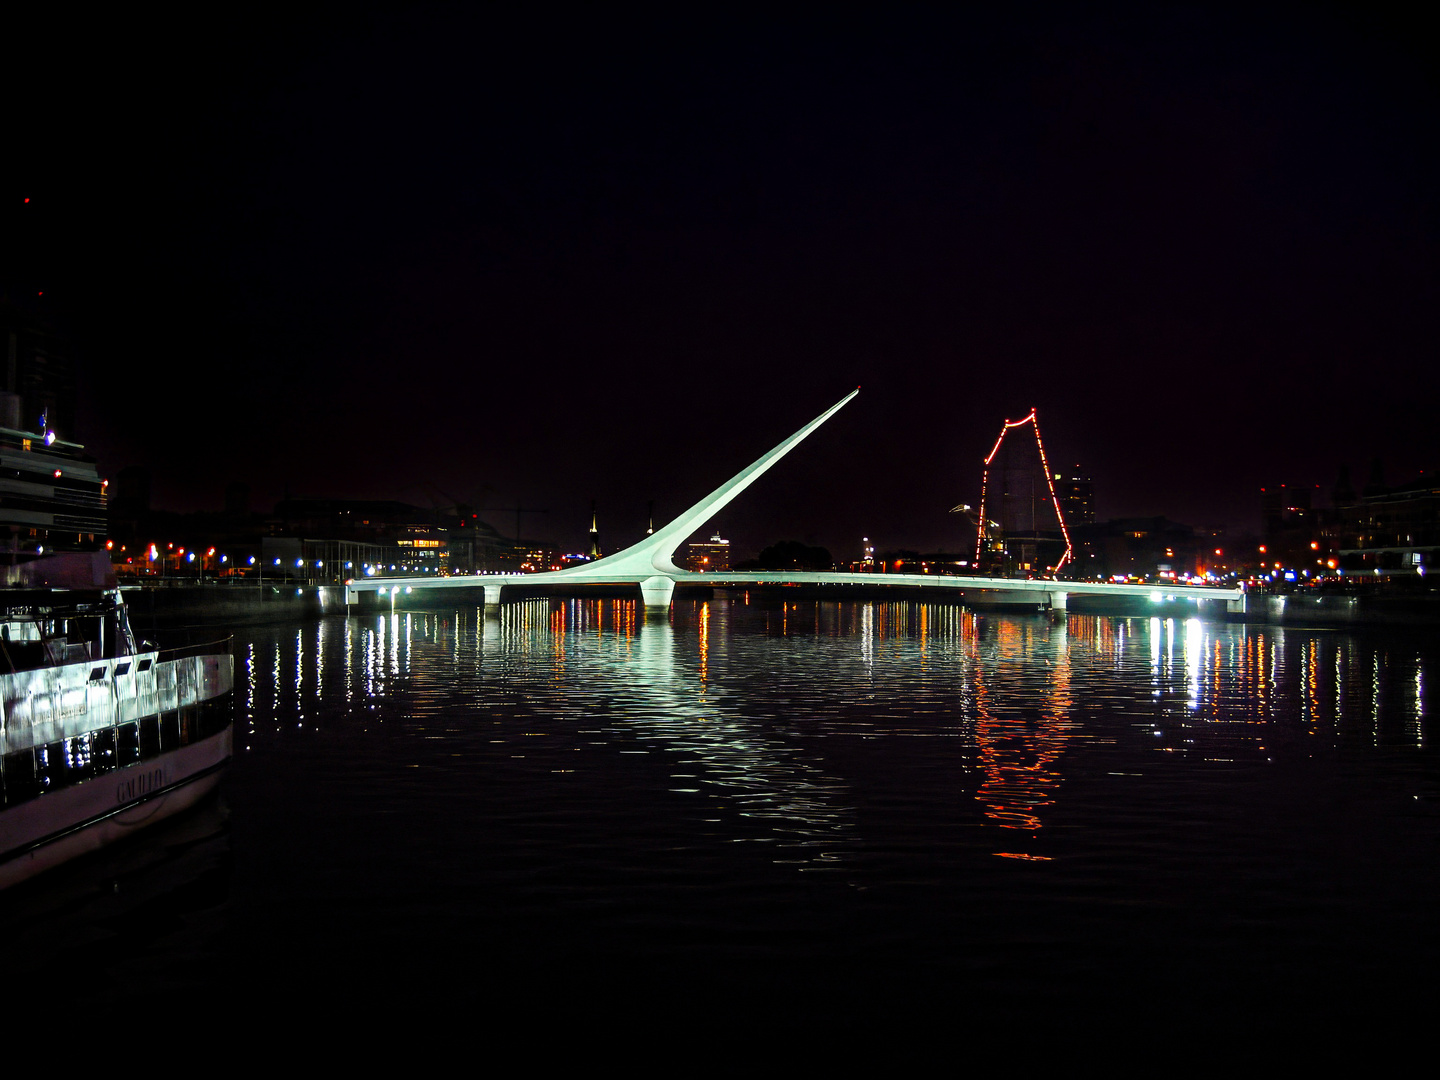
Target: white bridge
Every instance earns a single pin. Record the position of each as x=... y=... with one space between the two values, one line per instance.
x=650 y=563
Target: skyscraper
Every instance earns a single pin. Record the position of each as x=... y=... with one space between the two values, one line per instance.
x=1076 y=495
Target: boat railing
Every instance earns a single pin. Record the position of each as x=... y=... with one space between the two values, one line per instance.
x=204 y=648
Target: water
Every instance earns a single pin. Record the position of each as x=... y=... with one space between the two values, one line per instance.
x=802 y=813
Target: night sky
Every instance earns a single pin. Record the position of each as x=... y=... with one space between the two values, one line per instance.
x=439 y=255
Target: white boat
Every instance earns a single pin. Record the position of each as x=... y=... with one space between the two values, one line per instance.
x=100 y=735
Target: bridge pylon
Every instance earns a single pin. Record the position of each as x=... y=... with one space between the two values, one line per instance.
x=653 y=557
x=649 y=563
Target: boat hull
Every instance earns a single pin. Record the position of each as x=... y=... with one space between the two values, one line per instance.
x=61 y=825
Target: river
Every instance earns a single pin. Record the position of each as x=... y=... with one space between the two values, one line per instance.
x=815 y=811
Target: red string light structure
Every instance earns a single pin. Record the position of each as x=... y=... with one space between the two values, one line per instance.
x=982 y=532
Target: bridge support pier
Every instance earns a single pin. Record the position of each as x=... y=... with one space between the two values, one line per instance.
x=657 y=591
x=492 y=596
x=1059 y=601
x=1236 y=607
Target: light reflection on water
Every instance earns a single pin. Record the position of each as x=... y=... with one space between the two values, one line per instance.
x=996 y=815
x=746 y=709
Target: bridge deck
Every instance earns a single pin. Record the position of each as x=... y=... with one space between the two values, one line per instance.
x=1042 y=588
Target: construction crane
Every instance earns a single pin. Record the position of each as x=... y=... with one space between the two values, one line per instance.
x=984 y=527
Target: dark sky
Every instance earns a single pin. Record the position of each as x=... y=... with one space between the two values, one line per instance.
x=396 y=255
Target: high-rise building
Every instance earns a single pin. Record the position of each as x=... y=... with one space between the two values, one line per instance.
x=37 y=378
x=711 y=555
x=54 y=498
x=1076 y=495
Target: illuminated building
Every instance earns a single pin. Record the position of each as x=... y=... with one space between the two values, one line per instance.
x=711 y=555
x=1077 y=499
x=541 y=559
x=1146 y=549
x=54 y=500
x=331 y=533
x=1389 y=530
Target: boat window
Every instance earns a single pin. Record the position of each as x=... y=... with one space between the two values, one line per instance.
x=127 y=744
x=215 y=715
x=149 y=737
x=97 y=673
x=22 y=779
x=169 y=730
